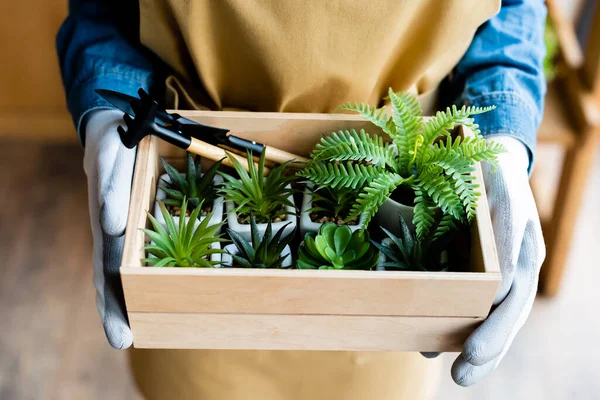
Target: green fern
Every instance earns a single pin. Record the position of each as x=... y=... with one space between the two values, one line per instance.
x=426 y=157
x=336 y=175
x=377 y=118
x=375 y=193
x=350 y=145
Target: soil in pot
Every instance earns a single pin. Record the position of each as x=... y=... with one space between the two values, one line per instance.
x=176 y=211
x=244 y=218
x=321 y=217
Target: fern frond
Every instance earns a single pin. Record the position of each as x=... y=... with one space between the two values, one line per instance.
x=406 y=115
x=457 y=171
x=338 y=174
x=478 y=149
x=374 y=194
x=424 y=212
x=441 y=190
x=449 y=158
x=371 y=114
x=443 y=121
x=447 y=224
x=350 y=145
x=406 y=112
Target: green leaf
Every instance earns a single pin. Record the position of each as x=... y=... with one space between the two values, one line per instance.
x=371 y=114
x=341 y=239
x=374 y=194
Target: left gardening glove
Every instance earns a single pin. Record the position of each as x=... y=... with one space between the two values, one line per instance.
x=109 y=169
x=521 y=251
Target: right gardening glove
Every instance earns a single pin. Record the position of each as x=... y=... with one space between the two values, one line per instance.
x=521 y=251
x=109 y=169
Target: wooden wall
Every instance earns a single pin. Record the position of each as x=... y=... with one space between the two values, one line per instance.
x=32 y=103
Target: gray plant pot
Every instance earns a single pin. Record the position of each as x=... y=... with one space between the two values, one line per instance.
x=387 y=216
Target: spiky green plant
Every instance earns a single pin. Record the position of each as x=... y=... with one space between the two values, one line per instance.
x=267 y=197
x=262 y=252
x=337 y=247
x=182 y=245
x=425 y=157
x=336 y=203
x=409 y=253
x=194 y=186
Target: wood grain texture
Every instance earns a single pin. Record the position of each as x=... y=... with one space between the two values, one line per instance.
x=306 y=332
x=244 y=291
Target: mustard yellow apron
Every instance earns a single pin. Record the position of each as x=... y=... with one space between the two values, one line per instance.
x=299 y=56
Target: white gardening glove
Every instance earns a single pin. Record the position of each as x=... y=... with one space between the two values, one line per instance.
x=109 y=169
x=521 y=251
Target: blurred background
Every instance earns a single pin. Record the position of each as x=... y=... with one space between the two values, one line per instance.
x=51 y=341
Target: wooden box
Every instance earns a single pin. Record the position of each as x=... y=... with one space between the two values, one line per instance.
x=221 y=308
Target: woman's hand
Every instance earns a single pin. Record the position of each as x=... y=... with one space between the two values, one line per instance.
x=109 y=169
x=521 y=251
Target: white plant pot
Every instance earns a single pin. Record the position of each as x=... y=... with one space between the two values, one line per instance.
x=387 y=216
x=307 y=224
x=217 y=208
x=216 y=257
x=244 y=229
x=232 y=249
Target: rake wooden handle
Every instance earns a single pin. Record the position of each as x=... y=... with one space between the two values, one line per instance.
x=215 y=153
x=280 y=156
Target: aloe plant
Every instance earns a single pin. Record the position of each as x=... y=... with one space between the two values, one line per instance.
x=262 y=252
x=410 y=253
x=424 y=157
x=182 y=245
x=266 y=197
x=337 y=247
x=194 y=186
x=335 y=203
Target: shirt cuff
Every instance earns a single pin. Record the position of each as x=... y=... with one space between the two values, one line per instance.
x=82 y=99
x=513 y=117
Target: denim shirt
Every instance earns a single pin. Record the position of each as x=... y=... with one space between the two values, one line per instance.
x=98 y=47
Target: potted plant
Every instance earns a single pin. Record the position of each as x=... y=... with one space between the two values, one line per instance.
x=424 y=166
x=268 y=251
x=269 y=198
x=183 y=243
x=337 y=247
x=406 y=252
x=321 y=204
x=197 y=187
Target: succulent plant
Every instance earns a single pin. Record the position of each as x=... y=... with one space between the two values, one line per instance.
x=336 y=203
x=267 y=197
x=182 y=245
x=194 y=186
x=425 y=157
x=410 y=253
x=337 y=247
x=263 y=252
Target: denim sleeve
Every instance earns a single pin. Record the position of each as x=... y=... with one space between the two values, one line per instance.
x=503 y=67
x=98 y=47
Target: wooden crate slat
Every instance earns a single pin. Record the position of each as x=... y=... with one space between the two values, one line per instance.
x=308 y=292
x=299 y=332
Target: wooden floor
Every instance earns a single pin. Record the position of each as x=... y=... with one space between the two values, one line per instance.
x=51 y=342
x=52 y=345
